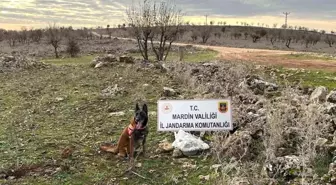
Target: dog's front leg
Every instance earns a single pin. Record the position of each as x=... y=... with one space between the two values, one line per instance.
x=144 y=146
x=131 y=139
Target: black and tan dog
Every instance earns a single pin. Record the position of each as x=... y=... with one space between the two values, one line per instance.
x=133 y=136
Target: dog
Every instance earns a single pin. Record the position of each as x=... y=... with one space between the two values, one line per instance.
x=133 y=136
x=141 y=130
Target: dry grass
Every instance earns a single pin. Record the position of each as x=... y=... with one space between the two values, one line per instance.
x=291 y=126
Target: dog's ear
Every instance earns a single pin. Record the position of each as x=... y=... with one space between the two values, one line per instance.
x=137 y=107
x=145 y=108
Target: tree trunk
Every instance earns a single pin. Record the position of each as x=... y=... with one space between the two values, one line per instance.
x=254 y=39
x=168 y=49
x=154 y=50
x=288 y=43
x=56 y=52
x=143 y=48
x=146 y=48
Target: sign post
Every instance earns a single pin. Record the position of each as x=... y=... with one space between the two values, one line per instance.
x=194 y=115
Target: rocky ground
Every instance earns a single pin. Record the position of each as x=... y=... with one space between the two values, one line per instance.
x=283 y=133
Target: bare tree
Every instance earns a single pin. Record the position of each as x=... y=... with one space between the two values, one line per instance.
x=205 y=33
x=168 y=20
x=258 y=35
x=23 y=35
x=2 y=34
x=273 y=37
x=223 y=29
x=288 y=36
x=12 y=37
x=246 y=35
x=36 y=35
x=330 y=40
x=142 y=21
x=54 y=37
x=108 y=31
x=194 y=35
x=157 y=23
x=235 y=35
x=217 y=35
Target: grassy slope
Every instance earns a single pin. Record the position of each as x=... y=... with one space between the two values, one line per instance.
x=310 y=78
x=35 y=127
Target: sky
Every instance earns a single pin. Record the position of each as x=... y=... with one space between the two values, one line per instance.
x=314 y=14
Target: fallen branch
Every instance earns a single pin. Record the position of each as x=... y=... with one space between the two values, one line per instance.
x=138 y=175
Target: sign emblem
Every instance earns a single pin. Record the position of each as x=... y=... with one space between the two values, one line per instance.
x=223 y=107
x=167 y=108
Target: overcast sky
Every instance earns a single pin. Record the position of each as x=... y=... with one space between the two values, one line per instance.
x=319 y=14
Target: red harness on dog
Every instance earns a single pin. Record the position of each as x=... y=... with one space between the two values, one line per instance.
x=131 y=129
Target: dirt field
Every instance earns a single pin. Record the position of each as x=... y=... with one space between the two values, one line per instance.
x=269 y=57
x=274 y=57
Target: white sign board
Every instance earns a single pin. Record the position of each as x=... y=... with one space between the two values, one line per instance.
x=194 y=115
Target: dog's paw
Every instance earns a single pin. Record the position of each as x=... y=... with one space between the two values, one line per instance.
x=142 y=154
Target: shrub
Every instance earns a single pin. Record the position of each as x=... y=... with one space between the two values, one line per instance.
x=330 y=40
x=261 y=33
x=72 y=47
x=205 y=33
x=236 y=35
x=218 y=35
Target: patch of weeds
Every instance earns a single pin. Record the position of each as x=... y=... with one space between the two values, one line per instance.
x=301 y=56
x=321 y=164
x=309 y=78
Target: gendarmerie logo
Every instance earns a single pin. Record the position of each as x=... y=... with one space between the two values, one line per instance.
x=223 y=107
x=167 y=108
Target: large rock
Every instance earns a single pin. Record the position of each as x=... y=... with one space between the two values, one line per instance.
x=165 y=146
x=319 y=94
x=331 y=109
x=169 y=92
x=126 y=59
x=104 y=61
x=188 y=143
x=161 y=66
x=332 y=97
x=259 y=86
x=330 y=177
x=120 y=113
